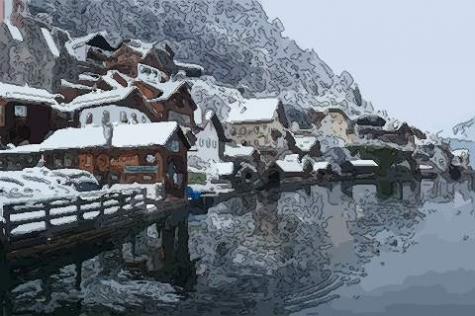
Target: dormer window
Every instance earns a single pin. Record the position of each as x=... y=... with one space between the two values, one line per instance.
x=149 y=74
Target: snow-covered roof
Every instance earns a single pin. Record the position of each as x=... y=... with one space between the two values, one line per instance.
x=50 y=41
x=363 y=163
x=168 y=89
x=305 y=143
x=124 y=135
x=425 y=167
x=34 y=183
x=225 y=168
x=139 y=46
x=461 y=152
x=100 y=97
x=109 y=79
x=89 y=77
x=77 y=42
x=188 y=65
x=65 y=83
x=290 y=163
x=26 y=94
x=238 y=151
x=320 y=165
x=254 y=110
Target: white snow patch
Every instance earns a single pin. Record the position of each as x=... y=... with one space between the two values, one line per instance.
x=14 y=31
x=50 y=41
x=238 y=151
x=363 y=163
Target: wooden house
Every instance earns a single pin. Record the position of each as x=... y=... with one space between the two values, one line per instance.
x=145 y=153
x=174 y=103
x=28 y=115
x=94 y=47
x=131 y=55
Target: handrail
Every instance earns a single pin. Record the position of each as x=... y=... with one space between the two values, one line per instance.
x=45 y=211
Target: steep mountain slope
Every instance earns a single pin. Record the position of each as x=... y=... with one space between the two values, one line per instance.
x=232 y=39
x=33 y=53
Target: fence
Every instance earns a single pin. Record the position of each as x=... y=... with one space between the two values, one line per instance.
x=59 y=215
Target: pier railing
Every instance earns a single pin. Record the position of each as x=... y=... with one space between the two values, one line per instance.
x=49 y=217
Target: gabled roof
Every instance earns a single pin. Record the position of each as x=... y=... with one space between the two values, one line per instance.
x=99 y=98
x=254 y=110
x=124 y=136
x=168 y=89
x=27 y=94
x=97 y=39
x=211 y=118
x=305 y=143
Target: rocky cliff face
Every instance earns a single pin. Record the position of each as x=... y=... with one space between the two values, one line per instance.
x=232 y=39
x=25 y=54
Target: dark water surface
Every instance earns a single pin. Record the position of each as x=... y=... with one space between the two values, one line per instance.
x=319 y=251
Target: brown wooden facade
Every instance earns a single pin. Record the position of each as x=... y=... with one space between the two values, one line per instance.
x=180 y=107
x=144 y=165
x=28 y=123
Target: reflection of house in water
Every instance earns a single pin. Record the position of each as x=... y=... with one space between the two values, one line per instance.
x=28 y=115
x=144 y=153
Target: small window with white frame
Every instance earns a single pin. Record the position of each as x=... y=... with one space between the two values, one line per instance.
x=21 y=111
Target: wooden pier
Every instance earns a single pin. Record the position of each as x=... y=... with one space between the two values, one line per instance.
x=35 y=229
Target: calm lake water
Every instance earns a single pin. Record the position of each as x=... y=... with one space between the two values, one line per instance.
x=320 y=251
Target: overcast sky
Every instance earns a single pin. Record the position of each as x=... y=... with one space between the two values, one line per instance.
x=414 y=58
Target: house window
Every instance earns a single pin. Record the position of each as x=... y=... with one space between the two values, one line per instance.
x=174 y=176
x=89 y=119
x=174 y=146
x=215 y=144
x=2 y=115
x=202 y=142
x=242 y=131
x=20 y=111
x=68 y=160
x=134 y=118
x=123 y=117
x=208 y=143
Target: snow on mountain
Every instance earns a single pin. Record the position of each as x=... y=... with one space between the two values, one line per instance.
x=233 y=40
x=32 y=52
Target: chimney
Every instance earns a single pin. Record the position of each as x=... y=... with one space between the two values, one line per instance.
x=107 y=128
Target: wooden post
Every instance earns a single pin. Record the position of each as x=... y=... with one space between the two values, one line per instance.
x=78 y=280
x=80 y=214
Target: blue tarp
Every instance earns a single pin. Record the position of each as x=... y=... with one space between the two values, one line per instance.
x=193 y=195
